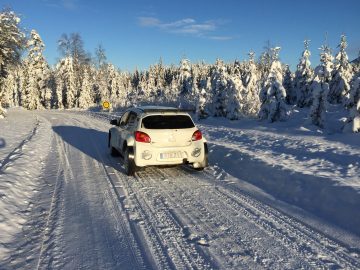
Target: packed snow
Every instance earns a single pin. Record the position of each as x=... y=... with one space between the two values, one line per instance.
x=277 y=196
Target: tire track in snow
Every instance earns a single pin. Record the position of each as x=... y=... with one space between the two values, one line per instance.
x=163 y=234
x=16 y=153
x=53 y=214
x=85 y=167
x=318 y=250
x=212 y=219
x=116 y=199
x=152 y=191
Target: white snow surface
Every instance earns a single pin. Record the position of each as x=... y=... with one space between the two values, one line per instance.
x=276 y=196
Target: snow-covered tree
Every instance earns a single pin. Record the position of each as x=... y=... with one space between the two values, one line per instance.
x=251 y=86
x=185 y=82
x=12 y=86
x=264 y=64
x=320 y=90
x=326 y=64
x=341 y=75
x=72 y=48
x=288 y=84
x=234 y=101
x=219 y=83
x=38 y=73
x=303 y=78
x=320 y=87
x=11 y=43
x=86 y=98
x=272 y=95
x=353 y=121
x=203 y=98
x=66 y=92
x=100 y=56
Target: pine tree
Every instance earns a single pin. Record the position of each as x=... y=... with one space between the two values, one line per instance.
x=234 y=101
x=303 y=78
x=289 y=86
x=272 y=95
x=264 y=64
x=12 y=85
x=11 y=43
x=67 y=94
x=353 y=122
x=320 y=90
x=36 y=86
x=86 y=99
x=251 y=84
x=326 y=64
x=219 y=83
x=341 y=75
x=235 y=95
x=185 y=82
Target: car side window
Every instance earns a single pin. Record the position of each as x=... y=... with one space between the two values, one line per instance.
x=132 y=120
x=124 y=119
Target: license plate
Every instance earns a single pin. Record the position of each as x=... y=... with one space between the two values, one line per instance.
x=170 y=155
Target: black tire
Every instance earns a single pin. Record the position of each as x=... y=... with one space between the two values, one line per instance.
x=205 y=162
x=129 y=163
x=114 y=152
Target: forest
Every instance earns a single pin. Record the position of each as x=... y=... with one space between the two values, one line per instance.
x=258 y=87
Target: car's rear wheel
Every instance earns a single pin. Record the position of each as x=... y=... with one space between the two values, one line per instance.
x=129 y=163
x=203 y=164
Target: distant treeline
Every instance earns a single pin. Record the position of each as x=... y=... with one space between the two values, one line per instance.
x=262 y=87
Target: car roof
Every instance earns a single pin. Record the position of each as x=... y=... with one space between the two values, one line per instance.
x=157 y=109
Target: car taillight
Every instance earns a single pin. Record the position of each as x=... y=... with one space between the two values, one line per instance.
x=142 y=137
x=196 y=136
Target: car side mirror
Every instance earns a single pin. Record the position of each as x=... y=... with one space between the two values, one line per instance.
x=113 y=122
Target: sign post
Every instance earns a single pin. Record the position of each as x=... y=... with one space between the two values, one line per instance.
x=106 y=106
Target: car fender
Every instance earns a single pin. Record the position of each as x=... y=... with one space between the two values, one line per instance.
x=112 y=135
x=130 y=140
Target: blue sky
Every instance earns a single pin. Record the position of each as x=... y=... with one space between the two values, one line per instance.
x=137 y=33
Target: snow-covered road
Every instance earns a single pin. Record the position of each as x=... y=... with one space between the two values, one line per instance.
x=85 y=213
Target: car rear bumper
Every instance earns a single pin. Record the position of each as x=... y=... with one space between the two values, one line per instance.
x=147 y=155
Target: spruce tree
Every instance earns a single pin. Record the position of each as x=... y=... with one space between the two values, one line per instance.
x=289 y=86
x=37 y=89
x=219 y=81
x=353 y=122
x=251 y=84
x=272 y=95
x=11 y=44
x=320 y=88
x=341 y=75
x=85 y=98
x=303 y=78
x=185 y=82
x=236 y=94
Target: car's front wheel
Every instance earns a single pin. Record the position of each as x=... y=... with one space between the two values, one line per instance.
x=129 y=163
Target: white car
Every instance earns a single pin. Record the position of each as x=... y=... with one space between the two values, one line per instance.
x=155 y=135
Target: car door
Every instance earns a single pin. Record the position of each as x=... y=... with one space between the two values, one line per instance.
x=129 y=127
x=122 y=130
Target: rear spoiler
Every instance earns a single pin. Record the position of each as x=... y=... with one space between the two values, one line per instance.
x=168 y=110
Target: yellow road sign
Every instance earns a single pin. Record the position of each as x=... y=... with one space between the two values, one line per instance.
x=106 y=104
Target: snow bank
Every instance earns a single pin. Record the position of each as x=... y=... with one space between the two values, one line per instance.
x=319 y=173
x=26 y=144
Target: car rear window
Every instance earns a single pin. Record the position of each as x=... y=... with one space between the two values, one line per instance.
x=167 y=122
